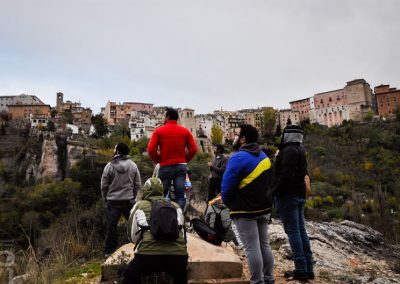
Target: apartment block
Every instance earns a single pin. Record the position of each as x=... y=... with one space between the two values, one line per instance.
x=253 y=117
x=115 y=113
x=284 y=115
x=142 y=124
x=387 y=100
x=304 y=108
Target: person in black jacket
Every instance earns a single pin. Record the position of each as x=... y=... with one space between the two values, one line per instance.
x=217 y=169
x=290 y=196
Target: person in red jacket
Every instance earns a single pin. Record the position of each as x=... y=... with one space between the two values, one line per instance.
x=172 y=146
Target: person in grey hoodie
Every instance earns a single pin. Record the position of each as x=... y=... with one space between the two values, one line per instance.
x=120 y=183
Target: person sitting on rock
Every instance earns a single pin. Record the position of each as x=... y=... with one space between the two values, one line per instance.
x=154 y=255
x=216 y=206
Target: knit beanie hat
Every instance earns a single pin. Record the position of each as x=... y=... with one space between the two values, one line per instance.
x=292 y=134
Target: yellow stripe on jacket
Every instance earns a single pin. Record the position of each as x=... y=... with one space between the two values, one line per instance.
x=262 y=166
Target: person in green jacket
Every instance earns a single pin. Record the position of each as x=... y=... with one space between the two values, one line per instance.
x=154 y=255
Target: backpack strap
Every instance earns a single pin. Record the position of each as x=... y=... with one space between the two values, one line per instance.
x=141 y=232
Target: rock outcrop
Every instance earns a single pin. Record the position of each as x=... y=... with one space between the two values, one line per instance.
x=48 y=166
x=345 y=252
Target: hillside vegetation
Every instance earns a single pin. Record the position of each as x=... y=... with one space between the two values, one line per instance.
x=355 y=173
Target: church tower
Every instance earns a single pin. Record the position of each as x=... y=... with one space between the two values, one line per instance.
x=60 y=101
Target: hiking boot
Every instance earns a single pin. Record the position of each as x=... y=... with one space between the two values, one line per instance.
x=299 y=276
x=288 y=274
x=302 y=277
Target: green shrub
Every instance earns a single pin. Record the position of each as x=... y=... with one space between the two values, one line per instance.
x=336 y=214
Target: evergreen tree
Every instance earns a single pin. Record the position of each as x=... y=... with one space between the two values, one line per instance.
x=100 y=125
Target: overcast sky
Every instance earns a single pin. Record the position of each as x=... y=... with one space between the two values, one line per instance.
x=200 y=54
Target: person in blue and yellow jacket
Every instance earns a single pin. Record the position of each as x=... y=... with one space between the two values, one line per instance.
x=245 y=192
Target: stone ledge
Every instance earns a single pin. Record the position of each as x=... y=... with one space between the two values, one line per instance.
x=207 y=263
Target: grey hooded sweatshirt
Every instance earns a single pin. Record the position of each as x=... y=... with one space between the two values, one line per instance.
x=120 y=179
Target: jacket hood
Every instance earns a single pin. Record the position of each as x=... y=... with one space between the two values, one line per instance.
x=152 y=187
x=121 y=163
x=252 y=148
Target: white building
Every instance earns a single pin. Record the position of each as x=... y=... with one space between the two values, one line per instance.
x=38 y=120
x=204 y=123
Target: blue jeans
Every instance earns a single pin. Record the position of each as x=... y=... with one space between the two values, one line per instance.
x=291 y=213
x=253 y=232
x=177 y=175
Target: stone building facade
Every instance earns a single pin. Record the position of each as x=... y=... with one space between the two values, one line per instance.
x=387 y=100
x=285 y=114
x=350 y=103
x=81 y=117
x=304 y=108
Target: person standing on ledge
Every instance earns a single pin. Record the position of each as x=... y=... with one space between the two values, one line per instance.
x=290 y=182
x=173 y=147
x=245 y=192
x=120 y=183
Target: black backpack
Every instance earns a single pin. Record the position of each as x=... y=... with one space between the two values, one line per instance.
x=206 y=232
x=164 y=221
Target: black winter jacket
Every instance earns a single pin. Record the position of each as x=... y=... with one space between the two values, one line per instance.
x=290 y=168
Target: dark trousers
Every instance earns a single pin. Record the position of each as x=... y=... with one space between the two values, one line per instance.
x=214 y=187
x=115 y=208
x=145 y=265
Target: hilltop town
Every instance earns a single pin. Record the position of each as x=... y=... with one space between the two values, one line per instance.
x=52 y=159
x=356 y=101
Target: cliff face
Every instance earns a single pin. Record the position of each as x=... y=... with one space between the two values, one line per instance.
x=28 y=160
x=58 y=157
x=48 y=167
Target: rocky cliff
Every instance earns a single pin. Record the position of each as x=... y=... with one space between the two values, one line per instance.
x=31 y=159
